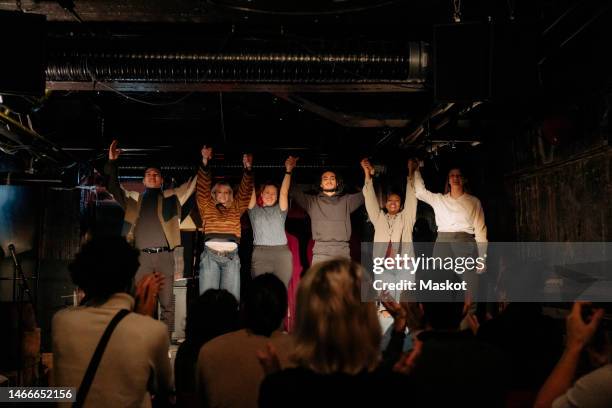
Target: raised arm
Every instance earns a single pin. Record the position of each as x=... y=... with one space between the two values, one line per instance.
x=245 y=190
x=579 y=334
x=185 y=190
x=204 y=180
x=421 y=192
x=355 y=201
x=303 y=200
x=283 y=197
x=253 y=201
x=371 y=202
x=410 y=201
x=110 y=169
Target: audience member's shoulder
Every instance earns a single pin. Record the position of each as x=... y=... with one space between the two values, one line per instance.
x=591 y=390
x=222 y=341
x=138 y=320
x=63 y=316
x=134 y=324
x=598 y=381
x=64 y=313
x=283 y=339
x=144 y=330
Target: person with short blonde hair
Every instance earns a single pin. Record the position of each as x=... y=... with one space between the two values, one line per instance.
x=337 y=345
x=221 y=209
x=335 y=331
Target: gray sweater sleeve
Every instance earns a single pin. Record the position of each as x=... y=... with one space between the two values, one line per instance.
x=304 y=200
x=355 y=201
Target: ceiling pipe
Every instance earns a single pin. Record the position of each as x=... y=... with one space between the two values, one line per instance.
x=286 y=67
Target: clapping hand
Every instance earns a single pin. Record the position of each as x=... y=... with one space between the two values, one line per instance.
x=397 y=311
x=408 y=361
x=147 y=290
x=268 y=359
x=580 y=330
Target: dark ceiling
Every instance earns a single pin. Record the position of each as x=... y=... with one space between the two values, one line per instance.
x=327 y=79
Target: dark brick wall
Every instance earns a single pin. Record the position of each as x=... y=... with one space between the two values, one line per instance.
x=560 y=189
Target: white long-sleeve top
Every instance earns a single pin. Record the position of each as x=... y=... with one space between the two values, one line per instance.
x=462 y=214
x=391 y=228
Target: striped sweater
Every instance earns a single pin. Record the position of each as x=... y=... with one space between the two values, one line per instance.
x=222 y=222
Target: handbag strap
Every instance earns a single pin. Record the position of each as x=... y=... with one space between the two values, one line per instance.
x=96 y=358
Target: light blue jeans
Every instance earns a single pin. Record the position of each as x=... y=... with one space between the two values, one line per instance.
x=220 y=272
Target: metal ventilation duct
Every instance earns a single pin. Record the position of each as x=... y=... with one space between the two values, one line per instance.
x=288 y=67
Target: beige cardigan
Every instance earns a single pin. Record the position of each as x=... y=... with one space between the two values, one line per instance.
x=398 y=229
x=168 y=206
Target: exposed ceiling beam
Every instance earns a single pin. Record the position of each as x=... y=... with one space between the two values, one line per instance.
x=341 y=118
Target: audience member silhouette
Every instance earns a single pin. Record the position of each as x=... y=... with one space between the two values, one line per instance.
x=135 y=363
x=592 y=390
x=228 y=372
x=215 y=312
x=337 y=340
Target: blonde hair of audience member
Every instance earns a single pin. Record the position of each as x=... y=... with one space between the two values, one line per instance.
x=335 y=331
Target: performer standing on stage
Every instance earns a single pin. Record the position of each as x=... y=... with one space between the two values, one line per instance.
x=460 y=219
x=270 y=251
x=221 y=212
x=151 y=224
x=330 y=217
x=393 y=225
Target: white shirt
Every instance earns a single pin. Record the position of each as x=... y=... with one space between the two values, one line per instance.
x=462 y=214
